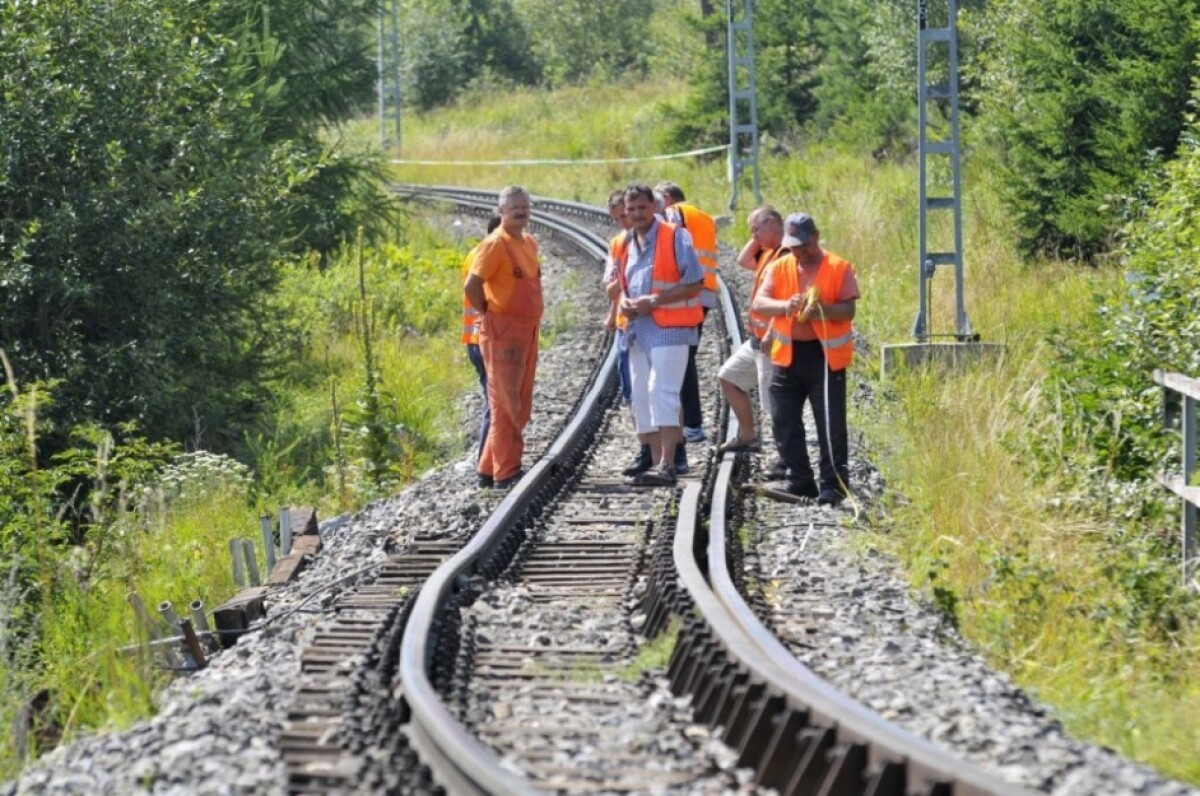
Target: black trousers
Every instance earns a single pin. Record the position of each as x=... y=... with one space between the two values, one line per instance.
x=809 y=379
x=689 y=393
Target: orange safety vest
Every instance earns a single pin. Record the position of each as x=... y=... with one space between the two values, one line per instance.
x=470 y=316
x=688 y=312
x=616 y=250
x=835 y=336
x=703 y=230
x=760 y=323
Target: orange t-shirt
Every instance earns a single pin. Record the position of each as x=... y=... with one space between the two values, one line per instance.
x=511 y=274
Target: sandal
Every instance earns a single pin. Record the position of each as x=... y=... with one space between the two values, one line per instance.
x=738 y=445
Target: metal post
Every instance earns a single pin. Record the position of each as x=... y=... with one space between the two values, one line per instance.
x=139 y=609
x=268 y=537
x=381 y=69
x=743 y=101
x=198 y=617
x=387 y=55
x=251 y=562
x=192 y=643
x=945 y=145
x=235 y=552
x=167 y=612
x=1189 y=509
x=285 y=530
x=395 y=70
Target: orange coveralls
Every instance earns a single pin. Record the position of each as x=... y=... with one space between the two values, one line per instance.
x=508 y=337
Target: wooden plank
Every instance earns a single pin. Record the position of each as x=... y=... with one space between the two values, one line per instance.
x=1179 y=383
x=1175 y=483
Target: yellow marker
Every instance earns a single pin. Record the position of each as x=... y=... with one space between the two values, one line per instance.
x=811 y=299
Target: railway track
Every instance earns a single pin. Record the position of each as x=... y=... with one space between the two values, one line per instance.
x=496 y=708
x=528 y=661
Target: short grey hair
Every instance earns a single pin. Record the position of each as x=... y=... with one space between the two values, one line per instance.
x=513 y=192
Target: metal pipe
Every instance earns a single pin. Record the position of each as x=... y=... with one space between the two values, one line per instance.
x=167 y=611
x=139 y=609
x=192 y=643
x=198 y=617
x=251 y=562
x=235 y=552
x=285 y=531
x=268 y=536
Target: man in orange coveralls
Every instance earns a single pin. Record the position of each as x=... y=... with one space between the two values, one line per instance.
x=505 y=287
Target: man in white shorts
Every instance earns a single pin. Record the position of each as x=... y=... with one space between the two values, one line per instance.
x=660 y=280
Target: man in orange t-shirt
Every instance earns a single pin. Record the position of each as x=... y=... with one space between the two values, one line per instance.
x=505 y=286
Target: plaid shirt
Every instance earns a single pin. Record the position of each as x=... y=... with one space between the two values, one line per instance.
x=639 y=273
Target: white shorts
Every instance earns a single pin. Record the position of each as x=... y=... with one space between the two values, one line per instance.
x=747 y=368
x=655 y=377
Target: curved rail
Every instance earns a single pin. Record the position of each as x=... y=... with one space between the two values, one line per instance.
x=800 y=734
x=461 y=763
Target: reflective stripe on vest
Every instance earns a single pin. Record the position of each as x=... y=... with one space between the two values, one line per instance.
x=703 y=230
x=665 y=275
x=470 y=315
x=758 y=322
x=616 y=250
x=836 y=336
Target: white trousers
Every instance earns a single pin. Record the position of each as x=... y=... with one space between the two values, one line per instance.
x=655 y=376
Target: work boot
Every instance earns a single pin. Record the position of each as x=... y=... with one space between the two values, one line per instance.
x=681 y=463
x=805 y=489
x=831 y=495
x=641 y=462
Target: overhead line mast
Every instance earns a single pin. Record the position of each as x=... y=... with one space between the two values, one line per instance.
x=945 y=144
x=388 y=64
x=743 y=102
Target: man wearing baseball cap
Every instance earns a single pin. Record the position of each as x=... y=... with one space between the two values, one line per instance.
x=809 y=295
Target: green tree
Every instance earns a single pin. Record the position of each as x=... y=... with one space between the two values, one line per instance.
x=154 y=168
x=574 y=39
x=1151 y=324
x=1080 y=95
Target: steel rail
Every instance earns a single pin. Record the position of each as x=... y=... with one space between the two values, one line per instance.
x=801 y=734
x=777 y=713
x=456 y=758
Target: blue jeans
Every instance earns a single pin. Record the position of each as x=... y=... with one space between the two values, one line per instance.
x=476 y=357
x=623 y=368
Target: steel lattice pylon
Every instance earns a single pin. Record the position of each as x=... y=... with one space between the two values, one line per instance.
x=388 y=62
x=945 y=144
x=743 y=103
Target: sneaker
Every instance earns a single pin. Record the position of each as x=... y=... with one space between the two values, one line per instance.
x=777 y=471
x=511 y=481
x=664 y=475
x=484 y=481
x=805 y=489
x=830 y=496
x=681 y=463
x=641 y=462
x=694 y=434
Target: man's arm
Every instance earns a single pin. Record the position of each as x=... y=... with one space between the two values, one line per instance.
x=473 y=288
x=748 y=257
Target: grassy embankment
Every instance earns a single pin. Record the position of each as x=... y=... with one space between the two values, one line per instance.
x=1028 y=579
x=174 y=547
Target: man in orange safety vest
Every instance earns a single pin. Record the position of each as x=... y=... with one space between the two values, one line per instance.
x=810 y=296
